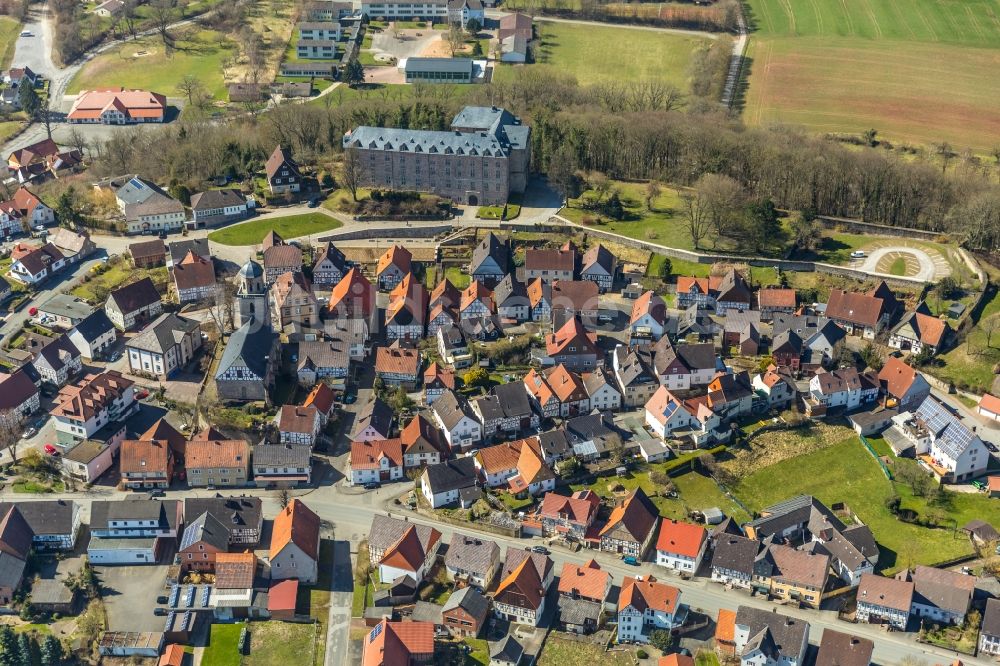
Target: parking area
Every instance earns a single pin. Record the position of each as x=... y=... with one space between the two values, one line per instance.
x=130 y=594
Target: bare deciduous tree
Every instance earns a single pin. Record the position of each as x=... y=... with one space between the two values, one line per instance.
x=352 y=172
x=11 y=429
x=189 y=86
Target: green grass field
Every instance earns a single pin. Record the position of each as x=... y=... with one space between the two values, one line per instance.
x=970 y=363
x=278 y=643
x=846 y=472
x=198 y=53
x=223 y=645
x=917 y=71
x=292 y=226
x=635 y=55
x=9 y=30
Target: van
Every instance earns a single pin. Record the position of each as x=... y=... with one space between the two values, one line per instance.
x=858 y=254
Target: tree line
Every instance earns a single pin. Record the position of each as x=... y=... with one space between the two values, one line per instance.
x=644 y=130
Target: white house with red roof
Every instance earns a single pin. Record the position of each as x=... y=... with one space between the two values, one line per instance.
x=680 y=546
x=644 y=605
x=118 y=106
x=412 y=554
x=23 y=208
x=376 y=461
x=649 y=318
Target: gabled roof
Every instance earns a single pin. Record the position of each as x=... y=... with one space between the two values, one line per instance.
x=886 y=592
x=581 y=507
x=139 y=294
x=386 y=531
x=588 y=581
x=15 y=534
x=376 y=414
x=648 y=593
x=470 y=553
x=735 y=553
x=840 y=649
x=947 y=590
x=216 y=453
x=234 y=571
x=563 y=259
x=451 y=475
x=397 y=360
x=451 y=409
x=283 y=256
x=353 y=296
x=522 y=587
x=279 y=157
x=508 y=649
x=574 y=295
x=296 y=524
x=490 y=247
x=139 y=456
x=438 y=376
x=95 y=325
x=897 y=377
x=445 y=294
x=470 y=600
x=649 y=303
x=321 y=397
x=207 y=528
x=366 y=455
x=421 y=436
x=233 y=512
x=598 y=255
x=297 y=419
x=636 y=515
x=861 y=309
x=510 y=292
x=398 y=643
x=572 y=334
x=397 y=256
x=407 y=303
x=785 y=633
x=679 y=538
x=774 y=297
x=408 y=553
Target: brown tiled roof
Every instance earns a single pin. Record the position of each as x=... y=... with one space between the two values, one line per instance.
x=553 y=260
x=283 y=256
x=147 y=249
x=397 y=360
x=636 y=514
x=423 y=435
x=291 y=283
x=648 y=593
x=896 y=377
x=90 y=395
x=776 y=298
x=164 y=431
x=277 y=158
x=566 y=385
x=213 y=454
x=193 y=272
x=397 y=256
x=853 y=307
x=395 y=643
x=440 y=373
x=587 y=581
x=135 y=296
x=504 y=456
x=234 y=571
x=296 y=524
x=577 y=295
x=294 y=418
x=840 y=649
x=139 y=456
x=579 y=508
x=799 y=567
x=366 y=455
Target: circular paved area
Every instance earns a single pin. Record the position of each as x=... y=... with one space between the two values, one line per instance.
x=925 y=265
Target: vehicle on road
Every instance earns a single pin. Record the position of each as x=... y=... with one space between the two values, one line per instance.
x=540 y=549
x=51 y=450
x=858 y=254
x=979 y=485
x=157 y=493
x=160 y=612
x=29 y=433
x=991 y=447
x=163 y=599
x=631 y=561
x=142 y=394
x=27 y=33
x=372 y=485
x=314 y=203
x=350 y=399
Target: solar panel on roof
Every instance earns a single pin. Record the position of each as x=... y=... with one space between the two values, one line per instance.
x=136 y=183
x=375 y=633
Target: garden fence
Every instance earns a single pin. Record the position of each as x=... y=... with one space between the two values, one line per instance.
x=878 y=459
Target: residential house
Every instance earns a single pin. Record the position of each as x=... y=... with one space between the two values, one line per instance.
x=217 y=463
x=764 y=637
x=15 y=548
x=462 y=429
x=742 y=333
x=732 y=293
x=282 y=465
x=241 y=515
x=648 y=320
x=583 y=591
x=392 y=267
x=733 y=560
x=550 y=265
x=520 y=596
x=476 y=302
x=194 y=278
x=697 y=291
x=88 y=460
x=941 y=595
x=97 y=400
x=177 y=250
x=323 y=361
x=464 y=11
x=294 y=301
x=146 y=464
x=919 y=330
x=391 y=643
x=204 y=537
x=989 y=406
x=376 y=461
x=452 y=346
x=133 y=531
x=407 y=310
x=573 y=346
x=23 y=211
x=602 y=390
x=40 y=160
x=600 y=267
x=74 y=245
x=511 y=299
x=399 y=548
x=539 y=300
x=164 y=347
x=636 y=374
x=423 y=443
x=777 y=387
x=352 y=334
x=31 y=265
x=803 y=342
x=330 y=266
x=465 y=612
x=505 y=409
x=298 y=425
x=374 y=422
x=441 y=483
x=681 y=546
x=117 y=106
x=147 y=208
x=445 y=294
x=506 y=652
x=398 y=366
x=233 y=595
x=62 y=311
x=490 y=257
x=840 y=649
x=631 y=526
x=570 y=517
x=645 y=605
x=943 y=445
x=672 y=418
x=592 y=435
x=134 y=304
x=863 y=314
x=774 y=300
x=323 y=399
x=246 y=370
x=93 y=335
x=17 y=75
x=437 y=381
x=472 y=560
x=58 y=361
x=730 y=396
x=791 y=574
x=280 y=259
x=844 y=387
x=574 y=298
x=989 y=631
x=294 y=551
x=882 y=600
x=902 y=385
x=282 y=172
x=214 y=207
x=498 y=463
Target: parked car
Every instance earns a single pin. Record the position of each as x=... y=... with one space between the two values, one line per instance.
x=51 y=450
x=157 y=493
x=540 y=549
x=27 y=33
x=142 y=394
x=979 y=485
x=991 y=447
x=350 y=399
x=160 y=612
x=631 y=561
x=372 y=485
x=29 y=433
x=858 y=254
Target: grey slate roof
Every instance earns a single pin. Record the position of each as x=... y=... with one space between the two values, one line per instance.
x=66 y=306
x=554 y=443
x=386 y=531
x=507 y=650
x=163 y=333
x=95 y=325
x=459 y=65
x=470 y=600
x=178 y=249
x=207 y=528
x=249 y=345
x=281 y=455
x=377 y=414
x=45 y=517
x=472 y=553
x=493 y=248
x=991 y=618
x=233 y=512
x=782 y=632
x=577 y=611
x=210 y=199
x=11 y=570
x=451 y=475
x=450 y=408
x=510 y=292
x=163 y=511
x=735 y=553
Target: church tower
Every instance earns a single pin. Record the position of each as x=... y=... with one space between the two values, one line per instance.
x=251 y=295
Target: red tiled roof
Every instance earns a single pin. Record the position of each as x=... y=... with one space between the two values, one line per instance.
x=680 y=538
x=144 y=456
x=676 y=659
x=476 y=291
x=398 y=256
x=588 y=581
x=173 y=655
x=321 y=397
x=406 y=554
x=353 y=296
x=440 y=373
x=282 y=594
x=579 y=508
x=651 y=303
x=296 y=524
x=397 y=360
x=90 y=104
x=366 y=455
x=725 y=627
x=990 y=403
x=853 y=307
x=566 y=385
x=648 y=593
x=776 y=298
x=399 y=643
x=571 y=334
x=235 y=570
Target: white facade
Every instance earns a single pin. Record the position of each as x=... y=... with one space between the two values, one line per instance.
x=91 y=349
x=518 y=614
x=606 y=398
x=681 y=563
x=157 y=222
x=634 y=625
x=466 y=433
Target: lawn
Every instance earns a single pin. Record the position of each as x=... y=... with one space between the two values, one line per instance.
x=9 y=127
x=96 y=288
x=288 y=227
x=277 y=643
x=480 y=653
x=457 y=277
x=846 y=472
x=10 y=28
x=918 y=71
x=970 y=363
x=362 y=593
x=561 y=652
x=706 y=658
x=319 y=605
x=637 y=54
x=199 y=53
x=223 y=645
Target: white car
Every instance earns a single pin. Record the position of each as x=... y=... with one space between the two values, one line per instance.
x=27 y=33
x=858 y=254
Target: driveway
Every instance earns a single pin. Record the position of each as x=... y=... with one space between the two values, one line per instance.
x=130 y=594
x=411 y=43
x=927 y=269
